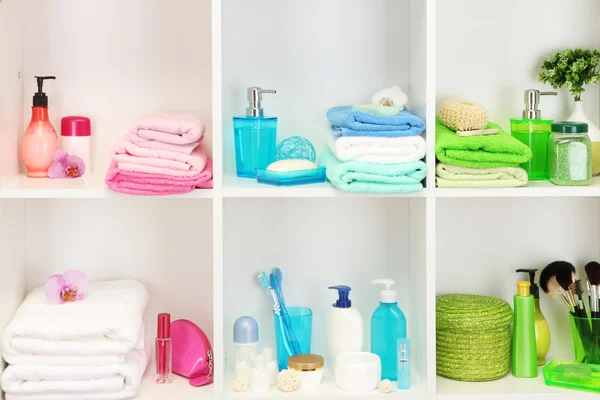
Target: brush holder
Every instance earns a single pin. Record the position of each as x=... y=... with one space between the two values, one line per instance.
x=301 y=321
x=472 y=337
x=586 y=340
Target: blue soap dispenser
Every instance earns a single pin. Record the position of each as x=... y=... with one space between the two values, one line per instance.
x=255 y=136
x=388 y=324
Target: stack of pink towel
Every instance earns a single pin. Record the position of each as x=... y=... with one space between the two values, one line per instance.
x=161 y=154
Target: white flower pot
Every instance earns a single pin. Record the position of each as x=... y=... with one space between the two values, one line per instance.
x=593 y=132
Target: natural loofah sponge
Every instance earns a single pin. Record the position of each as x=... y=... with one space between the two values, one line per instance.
x=287 y=380
x=463 y=115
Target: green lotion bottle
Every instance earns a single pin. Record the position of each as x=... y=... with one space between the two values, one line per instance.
x=534 y=131
x=524 y=357
x=542 y=330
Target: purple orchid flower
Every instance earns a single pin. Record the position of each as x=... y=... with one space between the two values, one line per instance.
x=68 y=287
x=66 y=166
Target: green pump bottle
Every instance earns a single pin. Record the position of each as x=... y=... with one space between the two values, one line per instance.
x=524 y=357
x=542 y=330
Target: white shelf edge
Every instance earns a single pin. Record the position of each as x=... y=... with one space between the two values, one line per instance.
x=92 y=187
x=326 y=390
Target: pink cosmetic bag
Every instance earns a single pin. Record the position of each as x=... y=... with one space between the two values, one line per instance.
x=192 y=352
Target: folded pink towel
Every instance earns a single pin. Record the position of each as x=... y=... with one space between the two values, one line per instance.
x=169 y=128
x=155 y=144
x=154 y=184
x=128 y=152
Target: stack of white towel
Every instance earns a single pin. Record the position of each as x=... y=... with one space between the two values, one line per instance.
x=89 y=349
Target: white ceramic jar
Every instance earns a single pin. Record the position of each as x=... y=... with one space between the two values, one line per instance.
x=309 y=368
x=358 y=371
x=76 y=139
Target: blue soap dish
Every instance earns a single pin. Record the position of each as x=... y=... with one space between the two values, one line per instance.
x=291 y=178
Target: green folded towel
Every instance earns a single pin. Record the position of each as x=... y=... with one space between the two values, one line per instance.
x=361 y=177
x=453 y=176
x=486 y=151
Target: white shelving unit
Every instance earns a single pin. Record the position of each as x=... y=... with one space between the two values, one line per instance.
x=199 y=253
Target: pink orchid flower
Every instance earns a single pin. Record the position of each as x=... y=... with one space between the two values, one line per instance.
x=66 y=166
x=68 y=287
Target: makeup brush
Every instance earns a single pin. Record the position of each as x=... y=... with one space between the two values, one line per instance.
x=565 y=274
x=593 y=273
x=578 y=289
x=550 y=284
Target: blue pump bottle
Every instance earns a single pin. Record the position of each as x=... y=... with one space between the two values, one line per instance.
x=255 y=136
x=388 y=324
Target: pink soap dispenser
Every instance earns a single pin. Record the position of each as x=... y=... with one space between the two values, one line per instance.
x=40 y=141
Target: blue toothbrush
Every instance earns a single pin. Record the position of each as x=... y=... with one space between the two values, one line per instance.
x=264 y=282
x=276 y=279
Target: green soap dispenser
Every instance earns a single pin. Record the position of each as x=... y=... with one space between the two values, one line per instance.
x=524 y=357
x=534 y=131
x=542 y=330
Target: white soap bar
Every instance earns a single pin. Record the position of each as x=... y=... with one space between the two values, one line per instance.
x=291 y=165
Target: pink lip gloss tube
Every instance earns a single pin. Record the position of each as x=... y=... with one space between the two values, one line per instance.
x=164 y=348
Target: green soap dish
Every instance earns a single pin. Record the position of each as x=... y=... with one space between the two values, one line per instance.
x=572 y=375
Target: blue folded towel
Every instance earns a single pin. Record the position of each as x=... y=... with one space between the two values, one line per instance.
x=346 y=122
x=362 y=177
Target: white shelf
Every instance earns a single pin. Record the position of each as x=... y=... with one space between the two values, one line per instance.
x=508 y=387
x=87 y=187
x=240 y=187
x=533 y=189
x=179 y=389
x=327 y=389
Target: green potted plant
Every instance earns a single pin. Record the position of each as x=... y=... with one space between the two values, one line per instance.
x=573 y=69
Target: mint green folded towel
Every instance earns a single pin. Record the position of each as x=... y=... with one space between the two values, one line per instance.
x=361 y=177
x=453 y=176
x=486 y=151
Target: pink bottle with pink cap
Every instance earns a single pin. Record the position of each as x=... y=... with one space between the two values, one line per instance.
x=76 y=138
x=164 y=349
x=40 y=141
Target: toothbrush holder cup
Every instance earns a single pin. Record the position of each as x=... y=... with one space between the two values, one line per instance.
x=301 y=322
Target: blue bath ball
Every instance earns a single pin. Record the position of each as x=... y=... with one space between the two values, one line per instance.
x=296 y=148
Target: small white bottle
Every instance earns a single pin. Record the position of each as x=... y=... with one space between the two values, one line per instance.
x=271 y=365
x=260 y=375
x=76 y=139
x=344 y=327
x=243 y=368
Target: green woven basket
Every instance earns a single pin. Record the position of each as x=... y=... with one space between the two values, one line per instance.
x=472 y=337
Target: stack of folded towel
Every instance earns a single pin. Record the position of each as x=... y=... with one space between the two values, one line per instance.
x=161 y=154
x=375 y=149
x=88 y=349
x=485 y=161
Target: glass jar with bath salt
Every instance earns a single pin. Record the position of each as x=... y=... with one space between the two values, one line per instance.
x=309 y=368
x=570 y=154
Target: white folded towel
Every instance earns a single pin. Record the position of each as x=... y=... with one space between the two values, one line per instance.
x=378 y=150
x=108 y=382
x=99 y=330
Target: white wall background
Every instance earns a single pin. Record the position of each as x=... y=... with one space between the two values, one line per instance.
x=490 y=52
x=317 y=243
x=163 y=63
x=481 y=242
x=316 y=54
x=165 y=244
x=10 y=86
x=12 y=260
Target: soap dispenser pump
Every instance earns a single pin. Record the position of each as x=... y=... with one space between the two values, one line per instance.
x=255 y=136
x=388 y=324
x=542 y=330
x=40 y=141
x=534 y=131
x=344 y=327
